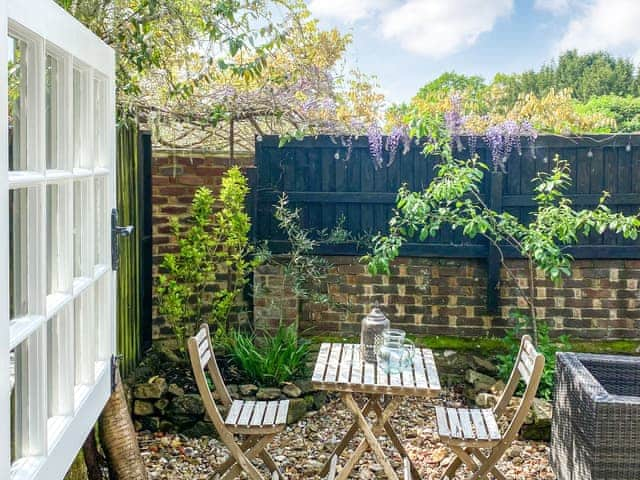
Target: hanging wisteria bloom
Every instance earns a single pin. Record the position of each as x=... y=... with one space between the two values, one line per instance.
x=375 y=144
x=503 y=137
x=454 y=120
x=398 y=135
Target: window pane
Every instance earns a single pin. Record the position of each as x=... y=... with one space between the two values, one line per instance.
x=12 y=384
x=51 y=112
x=60 y=364
x=101 y=221
x=79 y=119
x=18 y=250
x=79 y=213
x=84 y=337
x=99 y=124
x=17 y=88
x=58 y=278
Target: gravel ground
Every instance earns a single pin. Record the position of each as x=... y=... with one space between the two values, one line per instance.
x=302 y=449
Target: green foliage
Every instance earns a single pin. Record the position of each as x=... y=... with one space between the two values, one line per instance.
x=211 y=244
x=303 y=272
x=453 y=198
x=270 y=360
x=586 y=75
x=545 y=346
x=625 y=111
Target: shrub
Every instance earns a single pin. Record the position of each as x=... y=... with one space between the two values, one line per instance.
x=546 y=347
x=208 y=244
x=271 y=360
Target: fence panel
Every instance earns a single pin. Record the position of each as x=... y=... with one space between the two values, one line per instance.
x=332 y=187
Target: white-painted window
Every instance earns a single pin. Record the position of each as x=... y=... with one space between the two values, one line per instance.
x=57 y=148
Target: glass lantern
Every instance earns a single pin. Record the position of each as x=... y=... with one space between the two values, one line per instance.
x=371 y=332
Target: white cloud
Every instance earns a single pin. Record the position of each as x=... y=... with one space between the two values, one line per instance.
x=556 y=7
x=346 y=11
x=439 y=28
x=604 y=25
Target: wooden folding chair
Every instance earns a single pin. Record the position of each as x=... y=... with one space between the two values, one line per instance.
x=467 y=431
x=259 y=421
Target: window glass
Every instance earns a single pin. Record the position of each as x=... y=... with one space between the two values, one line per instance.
x=57 y=196
x=78 y=120
x=51 y=112
x=18 y=241
x=17 y=97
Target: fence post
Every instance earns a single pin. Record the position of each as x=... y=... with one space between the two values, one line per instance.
x=496 y=180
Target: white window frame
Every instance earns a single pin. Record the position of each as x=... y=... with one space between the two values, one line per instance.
x=55 y=432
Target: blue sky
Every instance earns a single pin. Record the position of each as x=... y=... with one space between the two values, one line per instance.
x=406 y=43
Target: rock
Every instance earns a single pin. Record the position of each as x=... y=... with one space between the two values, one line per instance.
x=188 y=405
x=175 y=390
x=151 y=390
x=538 y=423
x=268 y=394
x=485 y=400
x=248 y=390
x=291 y=390
x=304 y=386
x=200 y=429
x=161 y=405
x=479 y=381
x=497 y=387
x=142 y=408
x=149 y=423
x=297 y=410
x=319 y=399
x=234 y=392
x=484 y=365
x=439 y=454
x=514 y=451
x=451 y=379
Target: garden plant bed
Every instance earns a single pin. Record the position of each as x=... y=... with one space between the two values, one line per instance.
x=304 y=447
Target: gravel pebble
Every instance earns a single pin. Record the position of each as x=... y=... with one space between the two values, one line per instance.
x=302 y=449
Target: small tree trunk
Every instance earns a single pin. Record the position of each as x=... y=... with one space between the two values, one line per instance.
x=92 y=458
x=119 y=438
x=532 y=301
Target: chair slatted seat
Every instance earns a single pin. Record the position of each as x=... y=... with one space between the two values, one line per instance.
x=466 y=431
x=258 y=420
x=266 y=415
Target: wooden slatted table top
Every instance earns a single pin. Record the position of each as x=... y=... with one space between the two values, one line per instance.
x=340 y=368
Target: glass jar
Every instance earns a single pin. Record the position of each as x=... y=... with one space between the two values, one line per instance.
x=372 y=327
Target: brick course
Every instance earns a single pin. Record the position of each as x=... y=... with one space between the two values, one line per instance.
x=448 y=297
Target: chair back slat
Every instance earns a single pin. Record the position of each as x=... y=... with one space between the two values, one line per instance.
x=529 y=367
x=523 y=369
x=203 y=358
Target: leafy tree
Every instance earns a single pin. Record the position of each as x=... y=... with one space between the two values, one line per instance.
x=216 y=74
x=624 y=111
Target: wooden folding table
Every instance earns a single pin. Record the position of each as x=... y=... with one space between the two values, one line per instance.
x=340 y=368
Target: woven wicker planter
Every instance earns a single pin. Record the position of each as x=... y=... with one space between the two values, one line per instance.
x=595 y=432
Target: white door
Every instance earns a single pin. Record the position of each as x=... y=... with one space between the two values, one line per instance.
x=57 y=326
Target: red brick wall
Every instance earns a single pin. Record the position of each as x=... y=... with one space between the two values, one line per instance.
x=429 y=296
x=448 y=297
x=175 y=178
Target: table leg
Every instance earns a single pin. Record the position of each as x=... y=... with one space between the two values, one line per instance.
x=369 y=436
x=388 y=428
x=347 y=438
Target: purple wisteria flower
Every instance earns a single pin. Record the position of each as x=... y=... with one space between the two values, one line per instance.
x=397 y=136
x=375 y=144
x=454 y=120
x=503 y=137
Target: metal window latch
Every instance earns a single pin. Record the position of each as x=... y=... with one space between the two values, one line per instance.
x=116 y=232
